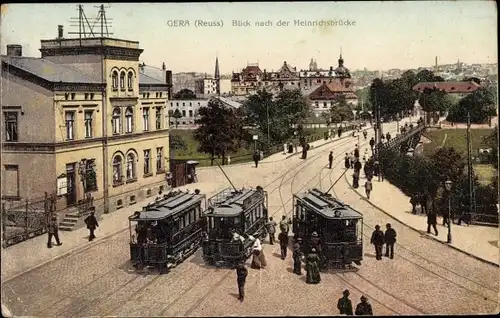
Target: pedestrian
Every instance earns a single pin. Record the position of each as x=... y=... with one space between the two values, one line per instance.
x=92 y=224
x=372 y=144
x=388 y=136
x=413 y=202
x=390 y=240
x=432 y=221
x=259 y=259
x=357 y=165
x=355 y=179
x=356 y=152
x=256 y=157
x=339 y=131
x=377 y=240
x=241 y=277
x=368 y=188
x=344 y=305
x=271 y=229
x=312 y=267
x=330 y=159
x=352 y=159
x=316 y=243
x=297 y=257
x=365 y=134
x=347 y=161
x=53 y=230
x=422 y=199
x=283 y=238
x=284 y=224
x=364 y=308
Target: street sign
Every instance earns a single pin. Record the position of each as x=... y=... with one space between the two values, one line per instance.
x=255 y=137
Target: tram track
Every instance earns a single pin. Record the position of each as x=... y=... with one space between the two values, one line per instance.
x=415 y=264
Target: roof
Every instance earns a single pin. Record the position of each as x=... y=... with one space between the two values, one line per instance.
x=327 y=206
x=287 y=67
x=233 y=204
x=228 y=102
x=449 y=87
x=338 y=86
x=252 y=69
x=168 y=206
x=148 y=80
x=48 y=70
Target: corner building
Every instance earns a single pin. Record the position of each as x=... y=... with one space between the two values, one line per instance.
x=84 y=122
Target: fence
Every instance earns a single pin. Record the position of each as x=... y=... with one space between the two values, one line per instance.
x=22 y=221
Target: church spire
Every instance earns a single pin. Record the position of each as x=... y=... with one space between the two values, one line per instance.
x=341 y=60
x=217 y=76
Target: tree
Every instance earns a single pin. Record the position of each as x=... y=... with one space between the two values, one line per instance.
x=220 y=130
x=176 y=115
x=340 y=110
x=363 y=96
x=447 y=163
x=292 y=107
x=185 y=94
x=480 y=104
x=434 y=100
x=176 y=143
x=492 y=142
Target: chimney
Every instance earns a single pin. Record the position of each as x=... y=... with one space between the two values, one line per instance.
x=284 y=62
x=14 y=50
x=60 y=32
x=164 y=67
x=331 y=68
x=168 y=80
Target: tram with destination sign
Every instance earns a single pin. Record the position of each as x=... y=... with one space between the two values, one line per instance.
x=234 y=220
x=167 y=231
x=331 y=226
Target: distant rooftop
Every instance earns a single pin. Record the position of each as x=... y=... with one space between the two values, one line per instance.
x=94 y=41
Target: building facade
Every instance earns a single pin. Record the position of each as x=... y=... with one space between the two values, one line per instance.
x=83 y=121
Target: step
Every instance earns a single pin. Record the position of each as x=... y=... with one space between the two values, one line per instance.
x=63 y=228
x=73 y=215
x=66 y=224
x=66 y=219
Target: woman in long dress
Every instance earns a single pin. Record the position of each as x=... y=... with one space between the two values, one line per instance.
x=312 y=268
x=258 y=259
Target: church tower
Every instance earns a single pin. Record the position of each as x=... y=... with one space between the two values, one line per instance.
x=217 y=76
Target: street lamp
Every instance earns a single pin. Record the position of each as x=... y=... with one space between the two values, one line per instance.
x=447 y=186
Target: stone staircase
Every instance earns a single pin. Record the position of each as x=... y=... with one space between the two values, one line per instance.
x=73 y=220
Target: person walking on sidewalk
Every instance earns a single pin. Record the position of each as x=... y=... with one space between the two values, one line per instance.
x=368 y=188
x=53 y=231
x=297 y=257
x=432 y=221
x=347 y=161
x=271 y=229
x=365 y=134
x=344 y=304
x=413 y=202
x=92 y=224
x=364 y=308
x=390 y=240
x=377 y=240
x=330 y=160
x=283 y=238
x=284 y=224
x=256 y=158
x=357 y=165
x=372 y=144
x=339 y=131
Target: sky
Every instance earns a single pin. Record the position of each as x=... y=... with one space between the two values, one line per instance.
x=378 y=35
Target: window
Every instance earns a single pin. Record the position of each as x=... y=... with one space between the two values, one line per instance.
x=324 y=104
x=190 y=113
x=129 y=120
x=117 y=170
x=88 y=123
x=190 y=104
x=143 y=95
x=11 y=126
x=72 y=95
x=161 y=93
x=70 y=125
x=147 y=161
x=316 y=104
x=183 y=113
x=66 y=96
x=119 y=203
x=145 y=118
x=177 y=104
x=91 y=95
x=158 y=117
x=183 y=104
x=159 y=159
x=122 y=80
x=10 y=181
x=198 y=103
x=117 y=121
x=115 y=79
x=147 y=95
x=90 y=175
x=132 y=199
x=156 y=94
x=130 y=167
x=130 y=81
x=171 y=104
x=86 y=96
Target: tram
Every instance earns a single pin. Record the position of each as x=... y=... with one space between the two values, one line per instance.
x=333 y=227
x=234 y=220
x=167 y=231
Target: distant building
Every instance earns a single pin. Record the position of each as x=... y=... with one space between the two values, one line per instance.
x=61 y=135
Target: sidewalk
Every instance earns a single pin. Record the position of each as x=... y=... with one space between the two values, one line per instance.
x=478 y=241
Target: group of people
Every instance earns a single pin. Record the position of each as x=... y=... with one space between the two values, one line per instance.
x=53 y=229
x=344 y=305
x=379 y=238
x=371 y=168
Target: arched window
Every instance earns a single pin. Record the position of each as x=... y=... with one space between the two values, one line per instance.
x=116 y=121
x=190 y=113
x=117 y=169
x=129 y=120
x=130 y=80
x=130 y=166
x=183 y=113
x=122 y=80
x=115 y=79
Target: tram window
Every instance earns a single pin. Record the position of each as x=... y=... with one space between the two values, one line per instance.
x=248 y=222
x=257 y=211
x=186 y=219
x=195 y=214
x=237 y=220
x=181 y=223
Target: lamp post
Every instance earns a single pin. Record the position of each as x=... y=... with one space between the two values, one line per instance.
x=447 y=186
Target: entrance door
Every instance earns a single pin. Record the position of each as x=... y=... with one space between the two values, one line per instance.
x=71 y=182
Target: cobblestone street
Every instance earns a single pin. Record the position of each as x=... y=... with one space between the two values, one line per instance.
x=425 y=277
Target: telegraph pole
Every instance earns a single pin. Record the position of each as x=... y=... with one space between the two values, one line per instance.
x=469 y=167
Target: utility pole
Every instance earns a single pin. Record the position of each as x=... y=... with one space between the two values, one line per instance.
x=469 y=167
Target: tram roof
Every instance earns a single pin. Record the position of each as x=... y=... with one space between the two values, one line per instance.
x=164 y=208
x=234 y=205
x=327 y=206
